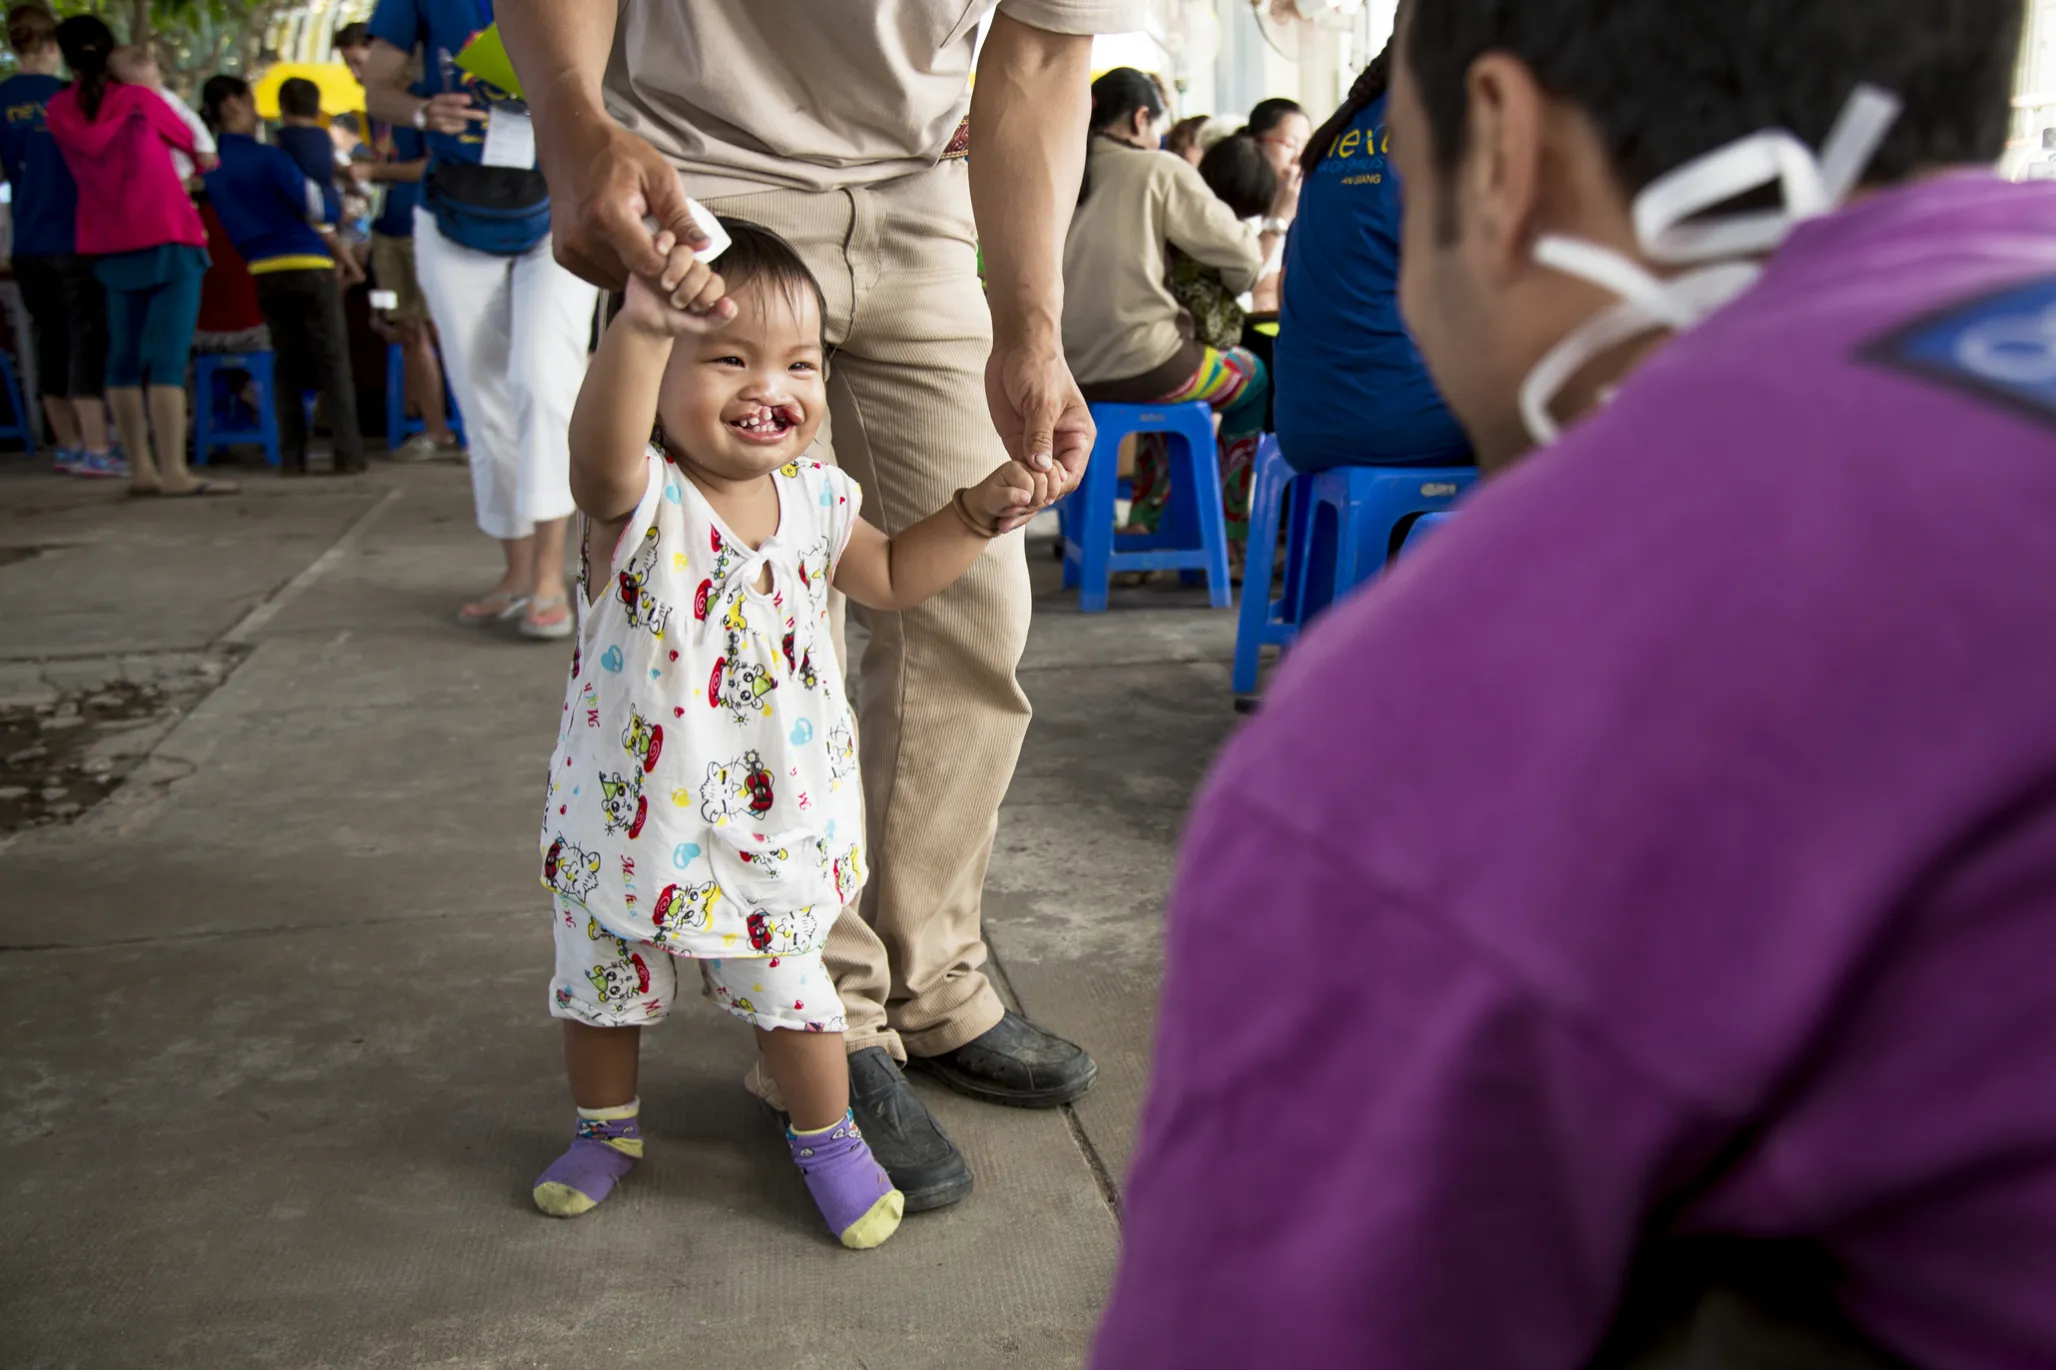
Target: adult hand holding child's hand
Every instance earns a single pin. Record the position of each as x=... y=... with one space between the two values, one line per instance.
x=688 y=296
x=1014 y=494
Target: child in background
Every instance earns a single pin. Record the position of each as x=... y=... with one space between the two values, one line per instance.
x=302 y=134
x=704 y=803
x=346 y=136
x=134 y=64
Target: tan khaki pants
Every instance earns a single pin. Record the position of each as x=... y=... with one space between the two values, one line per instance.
x=940 y=714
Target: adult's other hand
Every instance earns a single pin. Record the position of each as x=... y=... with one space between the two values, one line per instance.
x=1037 y=408
x=604 y=183
x=450 y=112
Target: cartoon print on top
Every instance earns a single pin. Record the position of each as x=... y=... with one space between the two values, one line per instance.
x=740 y=789
x=769 y=862
x=637 y=600
x=744 y=686
x=685 y=908
x=650 y=760
x=571 y=871
x=623 y=803
x=842 y=751
x=643 y=740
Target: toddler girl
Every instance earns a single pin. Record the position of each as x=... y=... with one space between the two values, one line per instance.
x=704 y=803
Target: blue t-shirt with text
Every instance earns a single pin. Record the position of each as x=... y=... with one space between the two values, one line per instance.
x=45 y=199
x=441 y=29
x=1351 y=387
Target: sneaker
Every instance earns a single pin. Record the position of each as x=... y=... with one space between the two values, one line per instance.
x=452 y=449
x=1015 y=1063
x=67 y=460
x=102 y=466
x=420 y=447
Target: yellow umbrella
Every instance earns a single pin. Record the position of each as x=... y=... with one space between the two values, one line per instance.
x=340 y=92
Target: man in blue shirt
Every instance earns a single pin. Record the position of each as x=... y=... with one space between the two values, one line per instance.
x=1351 y=389
x=58 y=287
x=400 y=164
x=513 y=323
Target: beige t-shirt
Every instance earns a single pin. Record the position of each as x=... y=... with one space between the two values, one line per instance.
x=811 y=94
x=1120 y=320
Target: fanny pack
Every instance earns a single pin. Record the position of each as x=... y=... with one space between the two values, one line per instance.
x=501 y=210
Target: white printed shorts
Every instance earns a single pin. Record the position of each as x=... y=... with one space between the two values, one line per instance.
x=603 y=981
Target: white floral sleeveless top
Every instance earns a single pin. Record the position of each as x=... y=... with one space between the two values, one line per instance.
x=703 y=795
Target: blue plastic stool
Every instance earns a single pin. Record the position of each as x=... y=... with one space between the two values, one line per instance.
x=1343 y=521
x=1354 y=512
x=1267 y=622
x=1194 y=537
x=1422 y=526
x=209 y=432
x=21 y=427
x=398 y=426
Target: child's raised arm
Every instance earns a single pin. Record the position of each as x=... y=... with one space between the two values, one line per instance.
x=897 y=573
x=617 y=404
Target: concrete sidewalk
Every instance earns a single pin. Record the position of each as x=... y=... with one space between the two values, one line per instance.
x=277 y=1072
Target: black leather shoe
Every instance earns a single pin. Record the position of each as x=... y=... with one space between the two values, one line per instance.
x=923 y=1162
x=1017 y=1064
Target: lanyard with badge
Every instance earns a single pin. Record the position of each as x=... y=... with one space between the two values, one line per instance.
x=509 y=128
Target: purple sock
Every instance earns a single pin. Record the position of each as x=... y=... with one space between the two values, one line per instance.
x=850 y=1188
x=605 y=1150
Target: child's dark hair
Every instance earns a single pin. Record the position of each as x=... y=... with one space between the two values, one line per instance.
x=300 y=98
x=352 y=35
x=218 y=91
x=1237 y=172
x=755 y=253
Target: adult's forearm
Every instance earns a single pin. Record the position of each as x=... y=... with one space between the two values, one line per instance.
x=1028 y=119
x=559 y=49
x=386 y=96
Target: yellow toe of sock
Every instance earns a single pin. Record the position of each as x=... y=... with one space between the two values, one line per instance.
x=880 y=1221
x=562 y=1201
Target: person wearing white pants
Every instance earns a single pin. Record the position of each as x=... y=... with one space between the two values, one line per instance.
x=514 y=335
x=514 y=325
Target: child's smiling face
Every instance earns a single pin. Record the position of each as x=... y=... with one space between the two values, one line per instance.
x=744 y=400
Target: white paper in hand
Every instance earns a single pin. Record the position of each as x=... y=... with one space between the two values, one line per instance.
x=703 y=219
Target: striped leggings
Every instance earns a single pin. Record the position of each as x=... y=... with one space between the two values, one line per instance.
x=1235 y=384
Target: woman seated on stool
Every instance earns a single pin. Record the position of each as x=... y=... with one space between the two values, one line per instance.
x=1126 y=336
x=1352 y=390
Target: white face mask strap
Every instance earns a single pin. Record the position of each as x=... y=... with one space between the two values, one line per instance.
x=1682 y=300
x=1607 y=329
x=1603 y=267
x=1669 y=227
x=1859 y=131
x=1667 y=222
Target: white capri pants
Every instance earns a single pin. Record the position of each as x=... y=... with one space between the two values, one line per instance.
x=514 y=334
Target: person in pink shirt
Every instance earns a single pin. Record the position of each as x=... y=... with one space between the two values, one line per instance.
x=135 y=217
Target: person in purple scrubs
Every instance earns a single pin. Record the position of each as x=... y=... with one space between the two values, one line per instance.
x=1626 y=933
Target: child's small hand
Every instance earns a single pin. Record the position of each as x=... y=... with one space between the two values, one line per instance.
x=1013 y=494
x=687 y=297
